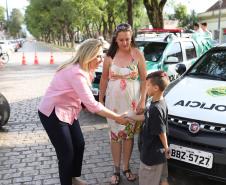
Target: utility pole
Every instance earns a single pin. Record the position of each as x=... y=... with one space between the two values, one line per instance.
x=219 y=20
x=6 y=8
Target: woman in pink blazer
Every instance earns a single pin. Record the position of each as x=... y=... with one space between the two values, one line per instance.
x=61 y=105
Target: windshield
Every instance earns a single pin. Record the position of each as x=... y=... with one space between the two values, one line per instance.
x=212 y=65
x=154 y=50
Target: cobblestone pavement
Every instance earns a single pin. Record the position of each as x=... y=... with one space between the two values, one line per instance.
x=26 y=155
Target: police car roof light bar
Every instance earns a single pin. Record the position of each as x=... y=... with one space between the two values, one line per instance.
x=160 y=30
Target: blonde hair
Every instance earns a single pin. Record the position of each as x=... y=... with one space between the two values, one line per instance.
x=86 y=52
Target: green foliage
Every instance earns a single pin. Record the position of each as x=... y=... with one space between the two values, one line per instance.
x=186 y=20
x=193 y=18
x=181 y=14
x=65 y=20
x=2 y=11
x=15 y=22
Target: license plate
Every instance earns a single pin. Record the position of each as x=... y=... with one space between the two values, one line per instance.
x=95 y=91
x=193 y=156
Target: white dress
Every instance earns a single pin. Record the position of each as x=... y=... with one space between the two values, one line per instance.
x=122 y=96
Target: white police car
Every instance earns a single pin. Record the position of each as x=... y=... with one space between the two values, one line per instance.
x=197 y=116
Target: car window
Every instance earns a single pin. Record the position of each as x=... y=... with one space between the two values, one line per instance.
x=141 y=43
x=190 y=50
x=212 y=63
x=175 y=51
x=154 y=50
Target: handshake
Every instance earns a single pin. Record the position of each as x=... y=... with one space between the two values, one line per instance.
x=129 y=117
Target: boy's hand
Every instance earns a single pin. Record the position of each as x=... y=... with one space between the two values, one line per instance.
x=167 y=153
x=140 y=108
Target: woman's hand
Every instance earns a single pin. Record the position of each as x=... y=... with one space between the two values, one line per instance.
x=130 y=120
x=140 y=107
x=101 y=100
x=121 y=120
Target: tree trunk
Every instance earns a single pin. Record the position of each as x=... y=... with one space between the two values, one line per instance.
x=72 y=38
x=105 y=28
x=154 y=10
x=110 y=24
x=130 y=12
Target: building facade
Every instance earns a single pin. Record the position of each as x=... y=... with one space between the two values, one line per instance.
x=215 y=17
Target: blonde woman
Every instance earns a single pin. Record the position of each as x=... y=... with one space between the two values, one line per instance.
x=60 y=107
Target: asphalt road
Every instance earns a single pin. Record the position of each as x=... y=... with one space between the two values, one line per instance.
x=33 y=45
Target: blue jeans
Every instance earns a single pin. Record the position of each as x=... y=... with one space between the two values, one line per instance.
x=69 y=145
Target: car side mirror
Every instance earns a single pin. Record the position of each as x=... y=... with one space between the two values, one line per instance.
x=180 y=68
x=171 y=60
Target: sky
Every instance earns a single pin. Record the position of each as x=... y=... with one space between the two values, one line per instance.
x=200 y=6
x=20 y=4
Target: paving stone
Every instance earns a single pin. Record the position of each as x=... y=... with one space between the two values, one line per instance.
x=6 y=182
x=51 y=181
x=22 y=179
x=41 y=177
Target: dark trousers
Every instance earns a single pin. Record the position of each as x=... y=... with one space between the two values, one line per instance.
x=69 y=144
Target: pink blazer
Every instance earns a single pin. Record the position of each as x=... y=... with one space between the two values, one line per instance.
x=69 y=87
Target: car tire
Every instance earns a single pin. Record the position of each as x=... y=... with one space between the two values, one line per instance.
x=4 y=110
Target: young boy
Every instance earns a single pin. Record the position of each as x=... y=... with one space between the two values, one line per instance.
x=153 y=143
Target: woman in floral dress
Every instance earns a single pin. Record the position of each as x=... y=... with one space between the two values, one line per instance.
x=123 y=86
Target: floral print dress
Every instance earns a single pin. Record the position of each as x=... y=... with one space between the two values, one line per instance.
x=122 y=96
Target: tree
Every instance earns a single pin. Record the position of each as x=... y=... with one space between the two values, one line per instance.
x=130 y=12
x=2 y=17
x=154 y=10
x=61 y=20
x=15 y=22
x=193 y=18
x=181 y=13
x=2 y=11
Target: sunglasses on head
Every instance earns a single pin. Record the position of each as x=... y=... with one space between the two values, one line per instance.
x=123 y=27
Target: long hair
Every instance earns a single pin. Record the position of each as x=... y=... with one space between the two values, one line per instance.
x=86 y=52
x=124 y=27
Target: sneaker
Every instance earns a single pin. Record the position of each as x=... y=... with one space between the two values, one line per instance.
x=78 y=181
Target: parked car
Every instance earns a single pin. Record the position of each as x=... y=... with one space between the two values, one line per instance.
x=168 y=47
x=6 y=46
x=4 y=110
x=197 y=116
x=163 y=49
x=15 y=44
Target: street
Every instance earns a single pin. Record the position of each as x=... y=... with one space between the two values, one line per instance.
x=26 y=154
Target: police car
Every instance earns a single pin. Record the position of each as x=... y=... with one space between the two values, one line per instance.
x=164 y=48
x=197 y=115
